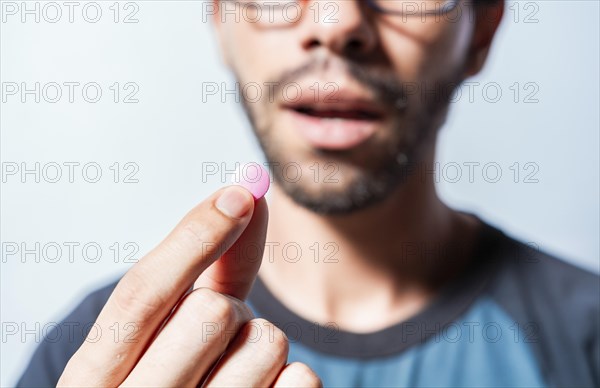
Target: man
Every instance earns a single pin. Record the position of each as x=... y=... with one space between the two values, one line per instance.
x=387 y=285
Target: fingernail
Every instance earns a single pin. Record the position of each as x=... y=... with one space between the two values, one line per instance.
x=233 y=203
x=254 y=178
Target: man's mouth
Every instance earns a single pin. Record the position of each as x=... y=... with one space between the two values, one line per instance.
x=354 y=114
x=335 y=125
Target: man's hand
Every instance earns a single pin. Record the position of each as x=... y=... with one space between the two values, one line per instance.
x=153 y=333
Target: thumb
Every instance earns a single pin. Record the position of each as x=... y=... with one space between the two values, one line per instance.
x=234 y=273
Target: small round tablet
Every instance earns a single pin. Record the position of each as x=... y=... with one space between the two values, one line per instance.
x=254 y=178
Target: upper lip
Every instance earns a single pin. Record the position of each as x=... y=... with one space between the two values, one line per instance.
x=336 y=102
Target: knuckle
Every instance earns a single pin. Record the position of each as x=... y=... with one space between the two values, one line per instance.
x=210 y=305
x=198 y=233
x=272 y=339
x=134 y=296
x=243 y=309
x=280 y=342
x=303 y=375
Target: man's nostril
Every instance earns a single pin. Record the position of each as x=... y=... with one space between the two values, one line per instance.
x=313 y=43
x=354 y=45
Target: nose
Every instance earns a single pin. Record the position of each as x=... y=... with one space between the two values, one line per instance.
x=343 y=27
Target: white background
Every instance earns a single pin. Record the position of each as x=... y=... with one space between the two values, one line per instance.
x=170 y=132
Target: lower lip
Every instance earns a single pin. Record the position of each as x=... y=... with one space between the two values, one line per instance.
x=333 y=134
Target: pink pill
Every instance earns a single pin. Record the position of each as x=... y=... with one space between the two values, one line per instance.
x=254 y=178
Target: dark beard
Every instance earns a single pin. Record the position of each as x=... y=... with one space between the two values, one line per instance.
x=418 y=117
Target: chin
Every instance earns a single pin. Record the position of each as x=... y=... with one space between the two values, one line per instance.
x=349 y=190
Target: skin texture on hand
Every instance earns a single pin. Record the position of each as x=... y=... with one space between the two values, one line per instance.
x=179 y=338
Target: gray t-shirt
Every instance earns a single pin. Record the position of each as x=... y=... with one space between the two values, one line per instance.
x=517 y=317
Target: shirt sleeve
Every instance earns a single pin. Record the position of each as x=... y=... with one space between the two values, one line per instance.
x=62 y=341
x=595 y=350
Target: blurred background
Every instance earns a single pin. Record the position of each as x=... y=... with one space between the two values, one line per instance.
x=110 y=133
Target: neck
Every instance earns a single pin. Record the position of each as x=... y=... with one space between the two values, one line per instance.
x=369 y=269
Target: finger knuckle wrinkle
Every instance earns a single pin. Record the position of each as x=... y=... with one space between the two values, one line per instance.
x=270 y=338
x=200 y=235
x=134 y=295
x=211 y=306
